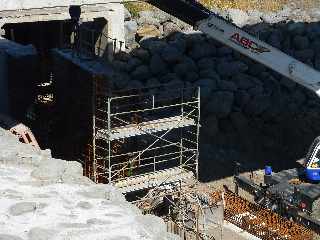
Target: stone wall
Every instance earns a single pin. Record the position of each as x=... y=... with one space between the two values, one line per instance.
x=250 y=114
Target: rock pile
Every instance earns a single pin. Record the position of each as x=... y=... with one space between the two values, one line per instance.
x=250 y=114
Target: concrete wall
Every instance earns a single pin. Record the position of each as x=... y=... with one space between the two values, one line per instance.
x=4 y=107
x=15 y=60
x=6 y=5
x=74 y=82
x=34 y=11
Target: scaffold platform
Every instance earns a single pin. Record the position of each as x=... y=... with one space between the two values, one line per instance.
x=145 y=128
x=145 y=138
x=155 y=179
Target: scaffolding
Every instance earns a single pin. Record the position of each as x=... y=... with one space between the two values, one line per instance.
x=146 y=137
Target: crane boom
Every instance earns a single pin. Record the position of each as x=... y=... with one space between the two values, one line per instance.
x=227 y=33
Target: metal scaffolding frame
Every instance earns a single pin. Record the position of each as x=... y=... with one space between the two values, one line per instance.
x=146 y=137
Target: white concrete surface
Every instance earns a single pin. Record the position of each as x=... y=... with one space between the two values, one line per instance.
x=19 y=11
x=233 y=232
x=42 y=198
x=6 y=5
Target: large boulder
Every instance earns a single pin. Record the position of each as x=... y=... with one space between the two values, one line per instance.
x=228 y=69
x=148 y=31
x=258 y=105
x=239 y=121
x=241 y=98
x=273 y=17
x=275 y=39
x=157 y=65
x=206 y=63
x=296 y=28
x=179 y=43
x=185 y=66
x=238 y=17
x=191 y=76
x=209 y=73
x=171 y=55
x=170 y=77
x=254 y=16
x=301 y=42
x=299 y=97
x=202 y=50
x=145 y=14
x=226 y=85
x=161 y=15
x=224 y=51
x=133 y=63
x=304 y=55
x=220 y=104
x=130 y=28
x=154 y=45
x=317 y=62
x=147 y=18
x=206 y=87
x=141 y=54
x=244 y=81
x=287 y=83
x=120 y=80
x=169 y=28
x=141 y=73
x=210 y=127
x=206 y=83
x=316 y=45
x=256 y=68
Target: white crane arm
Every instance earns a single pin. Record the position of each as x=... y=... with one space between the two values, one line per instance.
x=261 y=52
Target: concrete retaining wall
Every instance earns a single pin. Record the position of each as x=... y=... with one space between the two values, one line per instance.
x=18 y=75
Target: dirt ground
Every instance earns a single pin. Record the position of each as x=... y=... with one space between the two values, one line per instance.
x=261 y=5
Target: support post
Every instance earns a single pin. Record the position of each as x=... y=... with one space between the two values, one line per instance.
x=95 y=178
x=181 y=135
x=109 y=141
x=61 y=35
x=198 y=133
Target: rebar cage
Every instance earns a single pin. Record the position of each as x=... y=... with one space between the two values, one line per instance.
x=146 y=131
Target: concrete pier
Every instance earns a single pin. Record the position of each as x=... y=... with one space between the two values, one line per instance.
x=23 y=11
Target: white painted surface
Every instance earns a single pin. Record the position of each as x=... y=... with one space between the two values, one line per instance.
x=233 y=232
x=42 y=10
x=27 y=4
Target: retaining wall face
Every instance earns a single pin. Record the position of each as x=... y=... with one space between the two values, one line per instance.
x=249 y=113
x=23 y=75
x=73 y=91
x=4 y=101
x=6 y=5
x=19 y=73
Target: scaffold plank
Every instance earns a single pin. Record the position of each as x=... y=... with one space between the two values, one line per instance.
x=145 y=128
x=151 y=180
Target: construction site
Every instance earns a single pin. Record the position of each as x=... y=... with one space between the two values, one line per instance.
x=71 y=82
